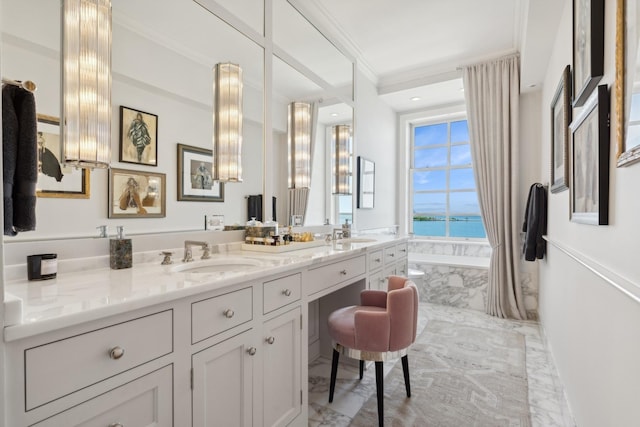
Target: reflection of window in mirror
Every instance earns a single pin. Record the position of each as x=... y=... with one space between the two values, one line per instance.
x=343 y=209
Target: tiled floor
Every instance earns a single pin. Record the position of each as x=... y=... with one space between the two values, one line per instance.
x=546 y=397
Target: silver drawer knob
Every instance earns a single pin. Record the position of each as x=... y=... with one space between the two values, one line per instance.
x=381 y=280
x=116 y=425
x=228 y=313
x=271 y=340
x=287 y=292
x=116 y=353
x=377 y=260
x=392 y=255
x=251 y=351
x=343 y=272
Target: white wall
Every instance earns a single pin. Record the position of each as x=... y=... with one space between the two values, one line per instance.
x=376 y=139
x=592 y=328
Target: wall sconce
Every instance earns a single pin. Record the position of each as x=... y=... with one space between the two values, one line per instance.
x=341 y=140
x=299 y=135
x=86 y=83
x=227 y=123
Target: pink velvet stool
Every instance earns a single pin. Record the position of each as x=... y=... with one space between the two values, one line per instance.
x=381 y=328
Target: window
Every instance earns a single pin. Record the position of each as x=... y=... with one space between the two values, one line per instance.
x=444 y=197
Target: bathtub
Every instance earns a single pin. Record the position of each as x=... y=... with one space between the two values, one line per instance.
x=455 y=273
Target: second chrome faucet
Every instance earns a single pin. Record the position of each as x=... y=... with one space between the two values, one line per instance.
x=188 y=253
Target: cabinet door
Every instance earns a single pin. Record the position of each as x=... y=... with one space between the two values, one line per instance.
x=282 y=367
x=223 y=383
x=144 y=402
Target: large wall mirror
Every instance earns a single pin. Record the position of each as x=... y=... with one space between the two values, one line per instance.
x=163 y=66
x=308 y=68
x=627 y=89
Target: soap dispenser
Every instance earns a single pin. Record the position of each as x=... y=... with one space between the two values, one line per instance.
x=346 y=229
x=120 y=251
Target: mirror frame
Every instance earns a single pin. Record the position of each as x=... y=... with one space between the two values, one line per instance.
x=625 y=157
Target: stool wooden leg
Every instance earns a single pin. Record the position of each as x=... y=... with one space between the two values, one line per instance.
x=405 y=370
x=380 y=392
x=361 y=369
x=334 y=372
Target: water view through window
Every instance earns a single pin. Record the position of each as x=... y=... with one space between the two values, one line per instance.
x=444 y=199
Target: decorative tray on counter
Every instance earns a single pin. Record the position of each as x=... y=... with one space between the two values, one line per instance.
x=293 y=246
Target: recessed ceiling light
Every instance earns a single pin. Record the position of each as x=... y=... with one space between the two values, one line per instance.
x=334 y=114
x=461 y=89
x=415 y=98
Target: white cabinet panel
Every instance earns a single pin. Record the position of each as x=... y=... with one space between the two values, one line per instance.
x=56 y=369
x=144 y=402
x=214 y=315
x=282 y=369
x=222 y=383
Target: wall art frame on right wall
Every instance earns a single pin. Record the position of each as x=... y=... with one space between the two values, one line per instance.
x=590 y=161
x=588 y=48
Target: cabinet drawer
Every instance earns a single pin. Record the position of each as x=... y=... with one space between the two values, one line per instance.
x=338 y=272
x=402 y=250
x=145 y=402
x=218 y=314
x=402 y=269
x=390 y=255
x=282 y=291
x=375 y=260
x=377 y=281
x=62 y=367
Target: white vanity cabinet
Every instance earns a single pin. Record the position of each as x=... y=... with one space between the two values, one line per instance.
x=391 y=260
x=254 y=377
x=145 y=402
x=223 y=382
x=282 y=367
x=97 y=374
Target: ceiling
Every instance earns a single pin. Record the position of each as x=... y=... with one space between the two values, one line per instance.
x=414 y=48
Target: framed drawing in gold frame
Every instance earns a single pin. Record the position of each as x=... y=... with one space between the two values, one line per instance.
x=136 y=194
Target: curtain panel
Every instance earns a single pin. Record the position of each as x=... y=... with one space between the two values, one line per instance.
x=492 y=92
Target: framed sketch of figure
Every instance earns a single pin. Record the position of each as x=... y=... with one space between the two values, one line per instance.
x=138 y=137
x=195 y=176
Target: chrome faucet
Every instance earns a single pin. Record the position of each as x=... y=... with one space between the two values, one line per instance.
x=188 y=253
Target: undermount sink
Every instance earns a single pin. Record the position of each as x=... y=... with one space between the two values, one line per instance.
x=356 y=240
x=220 y=265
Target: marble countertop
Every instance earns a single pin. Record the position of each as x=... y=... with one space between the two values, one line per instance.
x=76 y=297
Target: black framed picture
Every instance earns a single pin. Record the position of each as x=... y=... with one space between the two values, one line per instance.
x=588 y=48
x=136 y=194
x=138 y=137
x=560 y=119
x=590 y=161
x=195 y=176
x=366 y=183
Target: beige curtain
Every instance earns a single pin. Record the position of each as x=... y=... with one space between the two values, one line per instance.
x=298 y=198
x=492 y=92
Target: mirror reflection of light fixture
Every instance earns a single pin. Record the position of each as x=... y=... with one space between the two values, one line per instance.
x=86 y=83
x=299 y=136
x=227 y=123
x=341 y=140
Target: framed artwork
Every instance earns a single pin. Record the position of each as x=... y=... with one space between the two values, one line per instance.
x=560 y=119
x=138 y=137
x=54 y=179
x=136 y=194
x=588 y=48
x=366 y=183
x=590 y=161
x=195 y=176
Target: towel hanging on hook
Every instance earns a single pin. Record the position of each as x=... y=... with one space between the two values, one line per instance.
x=26 y=85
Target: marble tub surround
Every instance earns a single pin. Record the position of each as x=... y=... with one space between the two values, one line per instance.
x=463 y=248
x=456 y=274
x=91 y=293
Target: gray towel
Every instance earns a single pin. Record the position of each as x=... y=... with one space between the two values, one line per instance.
x=20 y=159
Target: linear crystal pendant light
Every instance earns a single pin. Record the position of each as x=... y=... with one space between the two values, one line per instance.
x=341 y=136
x=86 y=83
x=227 y=123
x=299 y=135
